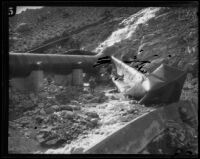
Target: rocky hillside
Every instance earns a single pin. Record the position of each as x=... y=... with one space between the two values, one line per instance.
x=31 y=28
x=160 y=31
x=153 y=31
x=65 y=117
x=126 y=32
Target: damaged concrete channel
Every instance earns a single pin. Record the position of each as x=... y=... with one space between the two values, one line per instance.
x=71 y=120
x=134 y=137
x=60 y=104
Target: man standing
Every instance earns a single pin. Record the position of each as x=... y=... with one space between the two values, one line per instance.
x=92 y=84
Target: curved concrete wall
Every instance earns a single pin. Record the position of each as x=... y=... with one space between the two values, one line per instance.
x=137 y=134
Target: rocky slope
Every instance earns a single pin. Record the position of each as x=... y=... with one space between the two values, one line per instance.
x=150 y=31
x=127 y=32
x=31 y=28
x=160 y=31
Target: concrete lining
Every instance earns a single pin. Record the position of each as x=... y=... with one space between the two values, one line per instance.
x=137 y=134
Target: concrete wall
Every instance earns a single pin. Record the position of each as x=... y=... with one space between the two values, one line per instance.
x=77 y=77
x=135 y=136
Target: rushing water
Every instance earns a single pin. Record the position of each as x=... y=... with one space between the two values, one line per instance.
x=130 y=24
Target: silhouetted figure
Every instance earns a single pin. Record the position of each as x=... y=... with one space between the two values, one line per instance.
x=92 y=84
x=49 y=79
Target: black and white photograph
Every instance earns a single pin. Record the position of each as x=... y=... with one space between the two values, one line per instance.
x=103 y=79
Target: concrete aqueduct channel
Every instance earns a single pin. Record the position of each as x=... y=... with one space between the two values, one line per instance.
x=77 y=121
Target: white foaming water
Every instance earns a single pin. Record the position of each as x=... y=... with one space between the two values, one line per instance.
x=146 y=85
x=131 y=23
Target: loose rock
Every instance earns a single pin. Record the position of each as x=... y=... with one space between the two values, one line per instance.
x=133 y=102
x=55 y=107
x=113 y=98
x=75 y=107
x=74 y=102
x=78 y=150
x=66 y=107
x=92 y=114
x=55 y=142
x=94 y=122
x=41 y=105
x=39 y=120
x=40 y=138
x=133 y=111
x=67 y=114
x=42 y=112
x=49 y=110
